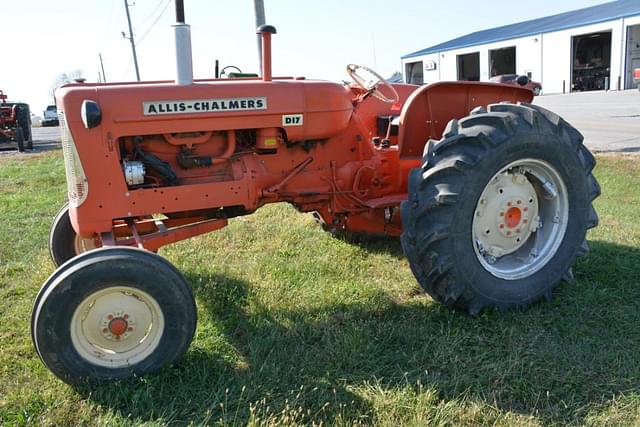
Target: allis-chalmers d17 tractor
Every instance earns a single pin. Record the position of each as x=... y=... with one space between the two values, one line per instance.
x=490 y=195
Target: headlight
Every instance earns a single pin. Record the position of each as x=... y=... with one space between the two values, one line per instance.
x=90 y=113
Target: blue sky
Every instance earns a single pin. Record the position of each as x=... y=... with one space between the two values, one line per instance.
x=315 y=38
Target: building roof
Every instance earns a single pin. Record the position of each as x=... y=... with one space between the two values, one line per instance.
x=575 y=18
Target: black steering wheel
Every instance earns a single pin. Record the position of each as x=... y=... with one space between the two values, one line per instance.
x=223 y=72
x=372 y=85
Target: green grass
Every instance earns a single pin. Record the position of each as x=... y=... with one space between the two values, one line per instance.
x=296 y=327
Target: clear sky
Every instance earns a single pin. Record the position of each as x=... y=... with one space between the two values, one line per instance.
x=44 y=38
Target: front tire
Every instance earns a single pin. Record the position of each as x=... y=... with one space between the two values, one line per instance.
x=463 y=215
x=125 y=312
x=64 y=242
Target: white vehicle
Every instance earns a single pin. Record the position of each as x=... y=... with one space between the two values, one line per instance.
x=50 y=116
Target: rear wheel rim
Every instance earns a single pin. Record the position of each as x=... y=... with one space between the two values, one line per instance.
x=525 y=200
x=82 y=245
x=117 y=327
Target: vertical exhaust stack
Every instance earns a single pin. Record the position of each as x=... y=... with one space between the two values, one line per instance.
x=265 y=31
x=184 y=61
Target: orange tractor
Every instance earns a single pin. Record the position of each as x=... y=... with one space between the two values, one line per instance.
x=490 y=195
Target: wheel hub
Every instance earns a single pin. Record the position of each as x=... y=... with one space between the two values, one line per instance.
x=520 y=219
x=117 y=326
x=506 y=214
x=513 y=217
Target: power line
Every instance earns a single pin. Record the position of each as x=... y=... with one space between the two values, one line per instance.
x=107 y=28
x=154 y=22
x=148 y=18
x=126 y=70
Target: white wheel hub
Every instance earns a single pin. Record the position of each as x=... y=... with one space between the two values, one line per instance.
x=117 y=327
x=506 y=215
x=520 y=219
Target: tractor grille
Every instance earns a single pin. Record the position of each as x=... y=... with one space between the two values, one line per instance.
x=77 y=185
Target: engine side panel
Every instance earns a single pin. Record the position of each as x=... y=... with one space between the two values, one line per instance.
x=220 y=159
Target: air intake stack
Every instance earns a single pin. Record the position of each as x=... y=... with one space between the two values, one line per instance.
x=184 y=61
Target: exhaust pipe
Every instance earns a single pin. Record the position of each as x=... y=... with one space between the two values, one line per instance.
x=184 y=61
x=266 y=31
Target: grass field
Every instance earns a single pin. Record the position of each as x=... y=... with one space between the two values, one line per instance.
x=296 y=327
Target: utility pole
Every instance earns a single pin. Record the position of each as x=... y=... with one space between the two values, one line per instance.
x=258 y=6
x=133 y=44
x=104 y=76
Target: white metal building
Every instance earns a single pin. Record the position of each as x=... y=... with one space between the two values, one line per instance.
x=594 y=48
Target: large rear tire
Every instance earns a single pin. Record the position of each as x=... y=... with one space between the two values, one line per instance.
x=499 y=210
x=64 y=242
x=126 y=312
x=20 y=139
x=23 y=118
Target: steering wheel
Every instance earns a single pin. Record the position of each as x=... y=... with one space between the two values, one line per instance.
x=352 y=70
x=223 y=72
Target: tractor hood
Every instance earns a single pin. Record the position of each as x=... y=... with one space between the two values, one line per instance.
x=305 y=109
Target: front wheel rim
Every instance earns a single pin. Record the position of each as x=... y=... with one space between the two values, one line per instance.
x=117 y=327
x=520 y=219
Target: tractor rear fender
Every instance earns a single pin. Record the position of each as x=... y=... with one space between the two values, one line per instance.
x=428 y=110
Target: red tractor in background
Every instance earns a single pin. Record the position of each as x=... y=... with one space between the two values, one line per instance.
x=15 y=125
x=490 y=195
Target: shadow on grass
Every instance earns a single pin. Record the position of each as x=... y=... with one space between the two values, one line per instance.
x=555 y=361
x=382 y=244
